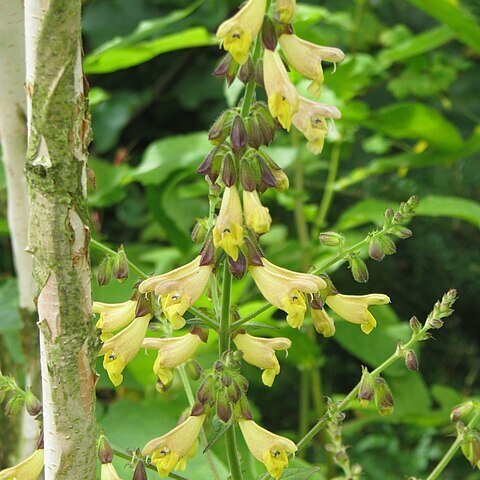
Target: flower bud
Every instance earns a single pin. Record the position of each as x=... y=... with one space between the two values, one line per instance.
x=32 y=403
x=411 y=361
x=206 y=392
x=366 y=391
x=202 y=333
x=247 y=71
x=207 y=253
x=471 y=449
x=227 y=68
x=224 y=409
x=197 y=409
x=13 y=406
x=259 y=80
x=435 y=323
x=415 y=325
x=461 y=411
x=238 y=136
x=267 y=178
x=285 y=10
x=221 y=128
x=266 y=126
x=281 y=179
x=383 y=397
x=120 y=266
x=143 y=306
x=234 y=392
x=387 y=246
x=247 y=175
x=140 y=473
x=244 y=408
x=359 y=269
x=388 y=216
x=199 y=231
x=331 y=239
x=398 y=218
x=269 y=36
x=375 y=250
x=401 y=232
x=105 y=271
x=212 y=164
x=238 y=267
x=229 y=173
x=193 y=369
x=254 y=254
x=162 y=387
x=255 y=138
x=104 y=450
x=242 y=382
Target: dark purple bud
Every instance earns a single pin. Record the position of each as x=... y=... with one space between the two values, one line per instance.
x=238 y=136
x=315 y=301
x=224 y=408
x=206 y=392
x=227 y=68
x=242 y=382
x=140 y=473
x=220 y=129
x=234 y=392
x=247 y=71
x=411 y=361
x=32 y=403
x=143 y=306
x=259 y=80
x=415 y=325
x=207 y=253
x=104 y=451
x=238 y=267
x=197 y=409
x=269 y=36
x=255 y=138
x=383 y=397
x=244 y=407
x=229 y=173
x=375 y=250
x=267 y=178
x=120 y=266
x=105 y=271
x=254 y=254
x=212 y=164
x=247 y=175
x=202 y=333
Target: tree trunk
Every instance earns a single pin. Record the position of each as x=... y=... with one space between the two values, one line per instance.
x=58 y=131
x=13 y=136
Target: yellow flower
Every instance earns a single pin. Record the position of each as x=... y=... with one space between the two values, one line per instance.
x=285 y=289
x=285 y=10
x=171 y=451
x=108 y=472
x=172 y=352
x=268 y=448
x=114 y=316
x=282 y=97
x=29 y=469
x=354 y=308
x=179 y=289
x=122 y=347
x=322 y=322
x=237 y=33
x=257 y=217
x=306 y=57
x=228 y=230
x=260 y=352
x=310 y=120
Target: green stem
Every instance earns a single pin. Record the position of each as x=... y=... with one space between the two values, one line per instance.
x=224 y=345
x=103 y=248
x=329 y=188
x=452 y=450
x=251 y=316
x=304 y=404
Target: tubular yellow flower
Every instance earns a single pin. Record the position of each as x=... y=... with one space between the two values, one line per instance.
x=172 y=352
x=179 y=289
x=228 y=230
x=282 y=97
x=322 y=322
x=266 y=447
x=122 y=347
x=257 y=217
x=285 y=289
x=171 y=451
x=285 y=10
x=260 y=352
x=237 y=33
x=306 y=57
x=114 y=316
x=29 y=469
x=354 y=308
x=310 y=120
x=108 y=472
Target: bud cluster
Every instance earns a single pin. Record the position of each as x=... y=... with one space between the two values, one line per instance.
x=116 y=265
x=375 y=388
x=17 y=398
x=224 y=390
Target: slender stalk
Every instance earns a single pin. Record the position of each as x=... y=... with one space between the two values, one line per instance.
x=329 y=188
x=303 y=405
x=452 y=450
x=224 y=345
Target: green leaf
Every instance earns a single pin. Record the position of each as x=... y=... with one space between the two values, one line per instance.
x=120 y=58
x=417 y=45
x=417 y=121
x=9 y=314
x=458 y=18
x=299 y=473
x=167 y=155
x=453 y=207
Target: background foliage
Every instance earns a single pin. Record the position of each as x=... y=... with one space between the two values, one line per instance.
x=408 y=91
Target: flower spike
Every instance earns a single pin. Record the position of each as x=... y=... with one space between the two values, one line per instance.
x=179 y=289
x=122 y=347
x=268 y=448
x=237 y=33
x=285 y=289
x=172 y=450
x=260 y=352
x=283 y=99
x=306 y=57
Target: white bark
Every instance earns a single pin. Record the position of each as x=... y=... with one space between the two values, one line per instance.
x=14 y=145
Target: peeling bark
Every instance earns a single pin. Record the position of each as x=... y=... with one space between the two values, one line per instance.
x=58 y=137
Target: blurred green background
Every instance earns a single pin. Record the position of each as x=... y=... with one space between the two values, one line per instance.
x=409 y=94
